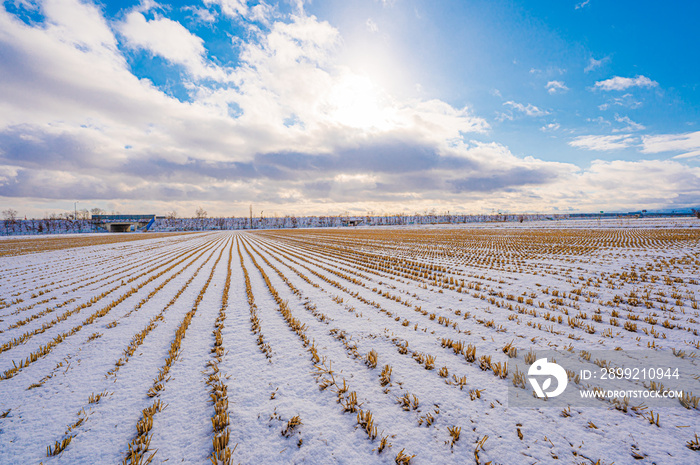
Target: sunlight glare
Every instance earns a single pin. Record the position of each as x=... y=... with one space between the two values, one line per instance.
x=357 y=102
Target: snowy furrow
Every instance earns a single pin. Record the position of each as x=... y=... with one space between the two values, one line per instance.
x=290 y=376
x=383 y=401
x=341 y=346
x=85 y=371
x=186 y=395
x=62 y=263
x=101 y=276
x=56 y=329
x=501 y=315
x=114 y=422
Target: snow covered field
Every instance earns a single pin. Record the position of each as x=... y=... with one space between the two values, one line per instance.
x=378 y=345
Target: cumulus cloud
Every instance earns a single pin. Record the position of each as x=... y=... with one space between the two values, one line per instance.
x=554 y=87
x=623 y=83
x=288 y=96
x=170 y=40
x=603 y=143
x=65 y=74
x=661 y=183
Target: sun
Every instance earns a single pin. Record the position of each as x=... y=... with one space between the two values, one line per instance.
x=355 y=101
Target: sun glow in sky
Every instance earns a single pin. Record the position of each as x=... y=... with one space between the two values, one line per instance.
x=333 y=106
x=356 y=102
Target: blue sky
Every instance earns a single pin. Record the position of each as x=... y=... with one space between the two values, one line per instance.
x=331 y=106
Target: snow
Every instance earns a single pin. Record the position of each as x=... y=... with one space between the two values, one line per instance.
x=352 y=291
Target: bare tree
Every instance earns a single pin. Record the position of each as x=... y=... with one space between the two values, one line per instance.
x=97 y=211
x=697 y=213
x=200 y=213
x=10 y=214
x=171 y=215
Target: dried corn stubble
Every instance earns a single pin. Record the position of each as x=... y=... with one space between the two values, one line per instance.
x=58 y=447
x=371 y=358
x=385 y=376
x=455 y=432
x=291 y=426
x=403 y=458
x=221 y=452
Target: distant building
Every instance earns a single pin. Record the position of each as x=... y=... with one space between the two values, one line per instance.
x=124 y=223
x=352 y=221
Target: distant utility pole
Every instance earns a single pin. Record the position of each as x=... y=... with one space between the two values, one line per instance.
x=75 y=210
x=251 y=217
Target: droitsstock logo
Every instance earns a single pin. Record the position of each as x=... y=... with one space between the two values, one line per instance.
x=551 y=370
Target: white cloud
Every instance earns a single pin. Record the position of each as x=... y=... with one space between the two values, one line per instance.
x=554 y=87
x=371 y=25
x=582 y=4
x=231 y=8
x=631 y=126
x=201 y=14
x=529 y=109
x=687 y=142
x=626 y=101
x=80 y=26
x=600 y=120
x=695 y=153
x=501 y=116
x=549 y=71
x=167 y=38
x=304 y=38
x=289 y=76
x=622 y=83
x=292 y=72
x=68 y=73
x=603 y=143
x=550 y=127
x=261 y=12
x=630 y=184
x=594 y=64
